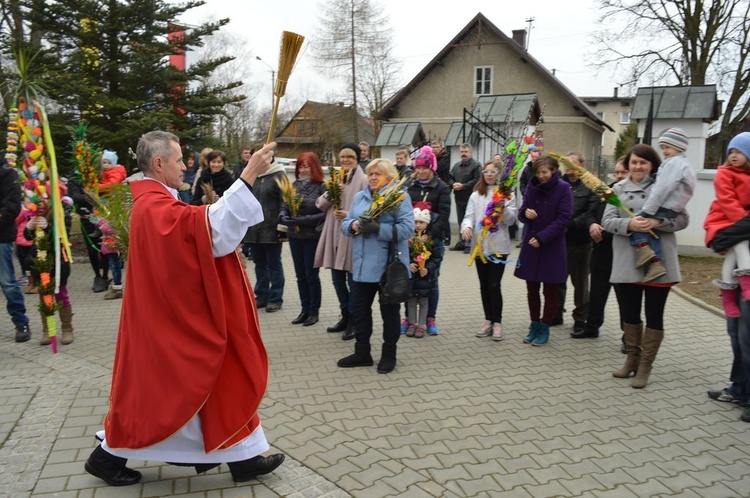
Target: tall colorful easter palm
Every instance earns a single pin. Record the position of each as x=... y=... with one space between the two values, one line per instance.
x=30 y=150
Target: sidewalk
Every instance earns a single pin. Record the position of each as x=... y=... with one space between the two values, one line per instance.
x=459 y=417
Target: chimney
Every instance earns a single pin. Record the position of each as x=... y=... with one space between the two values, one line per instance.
x=519 y=36
x=616 y=90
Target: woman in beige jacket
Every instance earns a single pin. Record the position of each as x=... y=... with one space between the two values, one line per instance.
x=334 y=250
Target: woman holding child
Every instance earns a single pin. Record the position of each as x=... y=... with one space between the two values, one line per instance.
x=642 y=163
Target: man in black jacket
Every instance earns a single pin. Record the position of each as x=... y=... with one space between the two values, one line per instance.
x=578 y=244
x=465 y=174
x=444 y=173
x=601 y=267
x=10 y=206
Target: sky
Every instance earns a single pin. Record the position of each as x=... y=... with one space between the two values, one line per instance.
x=562 y=37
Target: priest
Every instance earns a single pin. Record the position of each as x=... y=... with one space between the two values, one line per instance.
x=190 y=367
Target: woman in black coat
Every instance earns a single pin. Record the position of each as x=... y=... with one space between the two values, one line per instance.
x=303 y=234
x=216 y=175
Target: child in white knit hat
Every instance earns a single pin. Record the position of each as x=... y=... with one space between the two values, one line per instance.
x=425 y=260
x=673 y=188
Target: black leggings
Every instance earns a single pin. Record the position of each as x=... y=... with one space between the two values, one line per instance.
x=630 y=297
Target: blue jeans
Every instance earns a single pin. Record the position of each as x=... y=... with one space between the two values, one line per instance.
x=434 y=297
x=269 y=273
x=16 y=305
x=342 y=284
x=739 y=335
x=308 y=280
x=116 y=266
x=645 y=237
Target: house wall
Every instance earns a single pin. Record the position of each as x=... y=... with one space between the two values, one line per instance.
x=441 y=96
x=612 y=111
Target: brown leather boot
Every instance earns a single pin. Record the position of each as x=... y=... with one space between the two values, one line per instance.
x=44 y=341
x=633 y=333
x=66 y=316
x=649 y=347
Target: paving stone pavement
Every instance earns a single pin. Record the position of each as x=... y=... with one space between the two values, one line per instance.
x=459 y=417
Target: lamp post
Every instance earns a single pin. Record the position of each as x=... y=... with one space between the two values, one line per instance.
x=273 y=77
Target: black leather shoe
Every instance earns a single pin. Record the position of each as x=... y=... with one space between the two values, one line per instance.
x=23 y=333
x=585 y=334
x=558 y=320
x=253 y=467
x=300 y=318
x=349 y=334
x=340 y=326
x=111 y=469
x=311 y=320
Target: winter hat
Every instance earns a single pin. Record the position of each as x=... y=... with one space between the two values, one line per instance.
x=422 y=215
x=426 y=158
x=675 y=137
x=741 y=142
x=354 y=148
x=111 y=156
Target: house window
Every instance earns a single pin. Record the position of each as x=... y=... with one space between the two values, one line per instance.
x=601 y=115
x=301 y=128
x=483 y=80
x=312 y=127
x=625 y=117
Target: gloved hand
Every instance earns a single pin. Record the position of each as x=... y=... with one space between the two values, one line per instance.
x=368 y=225
x=288 y=221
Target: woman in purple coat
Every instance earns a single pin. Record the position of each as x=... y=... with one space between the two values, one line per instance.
x=546 y=212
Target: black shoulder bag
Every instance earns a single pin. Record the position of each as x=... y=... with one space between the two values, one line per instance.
x=395 y=285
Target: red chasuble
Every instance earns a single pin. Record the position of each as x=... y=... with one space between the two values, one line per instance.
x=189 y=339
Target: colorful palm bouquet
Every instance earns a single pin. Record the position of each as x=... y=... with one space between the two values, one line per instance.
x=86 y=158
x=419 y=249
x=290 y=196
x=29 y=149
x=598 y=187
x=335 y=187
x=386 y=199
x=515 y=157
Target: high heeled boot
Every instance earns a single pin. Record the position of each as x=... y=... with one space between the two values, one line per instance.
x=649 y=347
x=632 y=336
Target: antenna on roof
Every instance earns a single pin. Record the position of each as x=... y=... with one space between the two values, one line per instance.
x=530 y=20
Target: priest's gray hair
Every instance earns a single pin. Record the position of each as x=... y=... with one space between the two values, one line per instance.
x=152 y=145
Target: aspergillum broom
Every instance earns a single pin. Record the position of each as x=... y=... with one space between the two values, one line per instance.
x=290 y=46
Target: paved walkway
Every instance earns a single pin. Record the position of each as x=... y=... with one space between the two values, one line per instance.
x=459 y=417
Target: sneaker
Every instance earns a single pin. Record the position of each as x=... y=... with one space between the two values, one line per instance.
x=404 y=325
x=497 y=332
x=23 y=280
x=419 y=332
x=113 y=294
x=725 y=396
x=23 y=333
x=432 y=328
x=485 y=330
x=410 y=330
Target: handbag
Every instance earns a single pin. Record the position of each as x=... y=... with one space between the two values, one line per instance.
x=395 y=284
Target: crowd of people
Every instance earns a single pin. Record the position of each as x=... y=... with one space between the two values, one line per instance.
x=569 y=233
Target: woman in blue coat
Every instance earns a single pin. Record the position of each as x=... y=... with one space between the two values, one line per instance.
x=546 y=211
x=370 y=242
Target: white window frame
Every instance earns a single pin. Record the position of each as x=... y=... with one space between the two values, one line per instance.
x=623 y=113
x=484 y=79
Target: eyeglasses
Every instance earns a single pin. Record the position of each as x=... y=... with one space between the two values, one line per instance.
x=490 y=172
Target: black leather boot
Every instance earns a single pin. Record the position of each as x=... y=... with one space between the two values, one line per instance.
x=340 y=326
x=387 y=359
x=111 y=469
x=254 y=467
x=360 y=358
